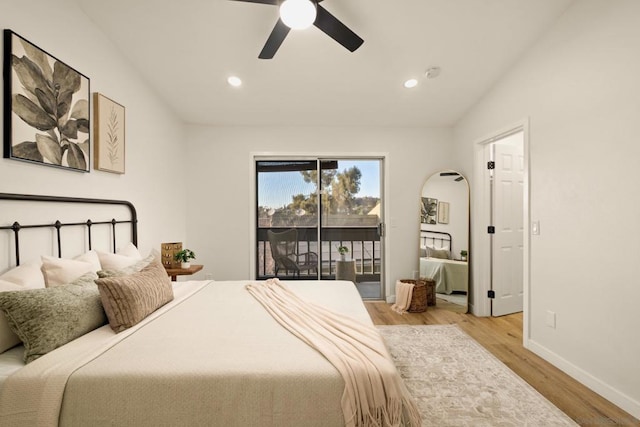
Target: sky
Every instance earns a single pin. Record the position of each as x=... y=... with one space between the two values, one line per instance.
x=276 y=188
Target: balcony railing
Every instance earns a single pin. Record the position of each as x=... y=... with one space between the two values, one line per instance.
x=363 y=244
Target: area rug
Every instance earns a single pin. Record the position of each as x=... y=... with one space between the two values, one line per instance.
x=457 y=382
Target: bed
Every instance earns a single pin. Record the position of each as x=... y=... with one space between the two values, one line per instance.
x=211 y=356
x=450 y=276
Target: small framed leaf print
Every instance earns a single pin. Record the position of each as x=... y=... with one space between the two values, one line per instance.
x=46 y=108
x=108 y=126
x=443 y=212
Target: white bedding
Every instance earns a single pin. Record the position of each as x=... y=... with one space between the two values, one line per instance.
x=10 y=362
x=215 y=359
x=449 y=275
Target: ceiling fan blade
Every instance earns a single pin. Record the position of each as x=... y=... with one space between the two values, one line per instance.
x=274 y=41
x=273 y=2
x=335 y=29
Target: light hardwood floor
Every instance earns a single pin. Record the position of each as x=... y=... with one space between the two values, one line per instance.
x=502 y=336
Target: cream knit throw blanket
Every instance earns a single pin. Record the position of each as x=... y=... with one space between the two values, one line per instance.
x=374 y=393
x=404 y=293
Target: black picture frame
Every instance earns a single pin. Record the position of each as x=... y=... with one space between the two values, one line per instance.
x=47 y=109
x=428 y=210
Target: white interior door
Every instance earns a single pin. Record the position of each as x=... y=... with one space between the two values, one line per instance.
x=508 y=246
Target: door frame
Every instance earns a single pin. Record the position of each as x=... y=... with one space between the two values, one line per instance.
x=383 y=157
x=481 y=262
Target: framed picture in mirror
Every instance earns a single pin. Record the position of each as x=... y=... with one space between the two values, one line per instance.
x=429 y=210
x=443 y=212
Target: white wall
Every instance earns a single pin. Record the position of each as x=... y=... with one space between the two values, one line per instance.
x=222 y=198
x=154 y=136
x=580 y=90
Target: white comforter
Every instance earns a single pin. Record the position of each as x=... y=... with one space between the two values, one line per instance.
x=449 y=275
x=214 y=358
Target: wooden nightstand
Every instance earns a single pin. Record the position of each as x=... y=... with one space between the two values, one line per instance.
x=175 y=272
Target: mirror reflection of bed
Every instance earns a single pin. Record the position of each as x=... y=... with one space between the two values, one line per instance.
x=444 y=238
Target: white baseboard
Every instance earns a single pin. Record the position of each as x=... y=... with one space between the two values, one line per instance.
x=471 y=309
x=603 y=389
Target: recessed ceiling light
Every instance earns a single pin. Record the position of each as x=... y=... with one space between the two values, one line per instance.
x=411 y=83
x=234 y=81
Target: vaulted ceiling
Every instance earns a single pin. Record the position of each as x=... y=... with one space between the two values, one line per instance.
x=187 y=49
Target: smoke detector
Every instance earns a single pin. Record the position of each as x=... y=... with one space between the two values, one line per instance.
x=432 y=72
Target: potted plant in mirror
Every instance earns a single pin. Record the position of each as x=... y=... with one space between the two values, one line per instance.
x=343 y=251
x=185 y=256
x=463 y=255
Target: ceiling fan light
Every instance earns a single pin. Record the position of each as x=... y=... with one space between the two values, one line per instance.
x=298 y=14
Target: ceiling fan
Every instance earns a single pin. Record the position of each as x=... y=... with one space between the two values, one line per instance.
x=315 y=15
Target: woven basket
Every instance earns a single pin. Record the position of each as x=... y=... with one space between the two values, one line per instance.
x=431 y=290
x=419 y=296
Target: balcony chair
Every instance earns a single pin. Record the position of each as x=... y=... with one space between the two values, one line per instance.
x=284 y=247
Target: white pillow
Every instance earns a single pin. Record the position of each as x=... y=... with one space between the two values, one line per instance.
x=60 y=271
x=130 y=250
x=27 y=275
x=8 y=338
x=438 y=253
x=91 y=257
x=125 y=257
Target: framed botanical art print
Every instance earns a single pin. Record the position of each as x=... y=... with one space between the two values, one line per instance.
x=443 y=212
x=109 y=135
x=428 y=210
x=46 y=108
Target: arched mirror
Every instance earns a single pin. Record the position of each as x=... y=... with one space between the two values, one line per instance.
x=444 y=238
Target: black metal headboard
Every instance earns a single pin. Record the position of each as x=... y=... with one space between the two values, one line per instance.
x=58 y=225
x=441 y=237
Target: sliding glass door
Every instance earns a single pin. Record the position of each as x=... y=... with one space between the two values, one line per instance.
x=338 y=200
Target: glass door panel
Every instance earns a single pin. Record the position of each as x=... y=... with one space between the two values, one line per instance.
x=286 y=201
x=351 y=214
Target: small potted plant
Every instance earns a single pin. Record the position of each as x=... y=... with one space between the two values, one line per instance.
x=463 y=255
x=343 y=251
x=185 y=256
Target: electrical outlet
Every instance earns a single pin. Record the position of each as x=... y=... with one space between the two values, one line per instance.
x=208 y=276
x=551 y=319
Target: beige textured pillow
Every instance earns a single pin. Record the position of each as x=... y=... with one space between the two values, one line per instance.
x=127 y=300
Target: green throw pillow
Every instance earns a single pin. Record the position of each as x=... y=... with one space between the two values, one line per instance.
x=47 y=318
